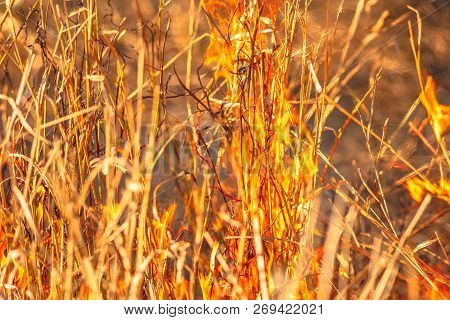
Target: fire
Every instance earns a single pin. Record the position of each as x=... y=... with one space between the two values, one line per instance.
x=222 y=9
x=111 y=213
x=161 y=226
x=3 y=245
x=439 y=114
x=269 y=157
x=221 y=51
x=118 y=181
x=230 y=47
x=418 y=188
x=220 y=54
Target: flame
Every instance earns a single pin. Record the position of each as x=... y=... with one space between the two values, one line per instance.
x=418 y=188
x=111 y=213
x=270 y=7
x=268 y=158
x=439 y=114
x=222 y=10
x=161 y=225
x=3 y=245
x=230 y=43
x=220 y=54
x=40 y=209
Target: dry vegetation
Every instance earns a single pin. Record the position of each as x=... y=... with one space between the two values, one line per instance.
x=206 y=150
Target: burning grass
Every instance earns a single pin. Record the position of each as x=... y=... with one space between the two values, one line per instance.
x=106 y=194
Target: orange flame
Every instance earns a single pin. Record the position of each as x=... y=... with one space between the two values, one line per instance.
x=230 y=41
x=439 y=114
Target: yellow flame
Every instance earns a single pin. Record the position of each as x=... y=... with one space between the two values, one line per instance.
x=2 y=248
x=111 y=212
x=40 y=208
x=418 y=188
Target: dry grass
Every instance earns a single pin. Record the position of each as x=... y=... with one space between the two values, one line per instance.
x=105 y=193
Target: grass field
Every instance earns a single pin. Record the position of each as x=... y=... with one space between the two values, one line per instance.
x=224 y=149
